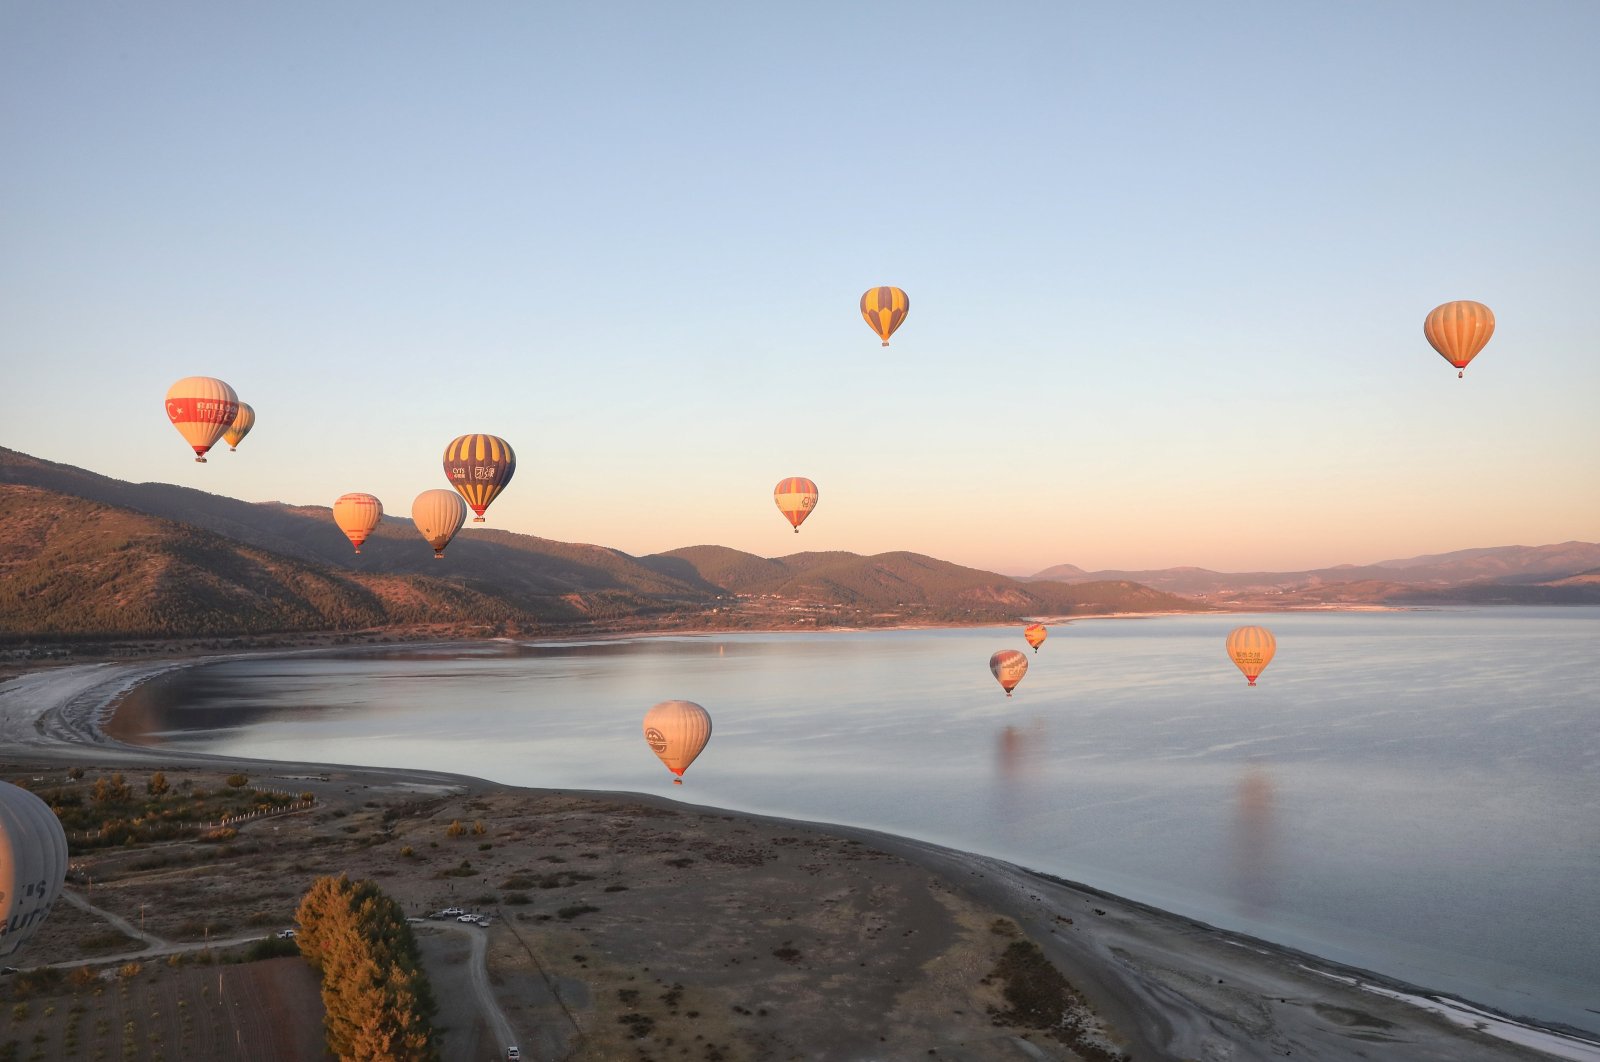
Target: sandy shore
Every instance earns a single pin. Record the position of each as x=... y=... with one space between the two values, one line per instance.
x=711 y=934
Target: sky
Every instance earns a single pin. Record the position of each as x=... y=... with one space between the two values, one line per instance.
x=1168 y=265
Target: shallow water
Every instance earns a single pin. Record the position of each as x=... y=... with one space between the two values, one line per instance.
x=1415 y=793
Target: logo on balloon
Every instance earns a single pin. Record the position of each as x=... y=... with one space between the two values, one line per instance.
x=656 y=740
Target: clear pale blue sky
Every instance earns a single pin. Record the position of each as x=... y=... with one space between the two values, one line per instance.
x=1168 y=265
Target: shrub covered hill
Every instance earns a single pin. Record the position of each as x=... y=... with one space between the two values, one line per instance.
x=86 y=556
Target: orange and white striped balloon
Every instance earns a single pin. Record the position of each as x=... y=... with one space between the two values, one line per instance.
x=1008 y=667
x=357 y=514
x=677 y=732
x=1251 y=649
x=201 y=408
x=242 y=423
x=1459 y=330
x=1036 y=633
x=796 y=497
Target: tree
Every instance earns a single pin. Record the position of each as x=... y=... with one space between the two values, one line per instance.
x=157 y=786
x=377 y=999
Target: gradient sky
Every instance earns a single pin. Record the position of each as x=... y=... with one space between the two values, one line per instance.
x=1168 y=265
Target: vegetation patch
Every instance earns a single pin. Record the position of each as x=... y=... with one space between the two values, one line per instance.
x=1038 y=997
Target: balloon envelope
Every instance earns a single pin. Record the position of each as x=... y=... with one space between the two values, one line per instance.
x=1036 y=633
x=677 y=731
x=479 y=467
x=1008 y=666
x=357 y=514
x=1251 y=649
x=1458 y=330
x=884 y=309
x=33 y=865
x=201 y=408
x=796 y=497
x=242 y=423
x=438 y=514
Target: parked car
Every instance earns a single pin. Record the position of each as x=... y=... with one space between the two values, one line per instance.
x=287 y=934
x=513 y=1055
x=468 y=918
x=449 y=911
x=415 y=921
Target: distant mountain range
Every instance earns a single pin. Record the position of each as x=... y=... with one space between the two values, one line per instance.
x=1567 y=573
x=86 y=556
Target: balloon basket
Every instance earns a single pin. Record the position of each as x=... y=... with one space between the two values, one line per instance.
x=677 y=781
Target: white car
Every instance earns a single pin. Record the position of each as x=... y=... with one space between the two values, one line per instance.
x=448 y=911
x=513 y=1055
x=468 y=918
x=287 y=934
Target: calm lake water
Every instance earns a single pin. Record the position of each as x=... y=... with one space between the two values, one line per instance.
x=1416 y=793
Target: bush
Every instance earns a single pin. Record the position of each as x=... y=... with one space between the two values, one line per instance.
x=270 y=948
x=238 y=781
x=455 y=829
x=575 y=910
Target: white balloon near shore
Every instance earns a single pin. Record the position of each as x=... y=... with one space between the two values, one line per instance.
x=33 y=865
x=677 y=732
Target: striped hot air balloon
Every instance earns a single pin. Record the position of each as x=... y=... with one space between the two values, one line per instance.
x=201 y=408
x=677 y=732
x=479 y=467
x=1008 y=667
x=357 y=514
x=1251 y=649
x=796 y=497
x=1458 y=330
x=242 y=423
x=1036 y=633
x=884 y=309
x=438 y=514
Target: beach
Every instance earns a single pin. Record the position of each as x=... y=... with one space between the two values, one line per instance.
x=715 y=934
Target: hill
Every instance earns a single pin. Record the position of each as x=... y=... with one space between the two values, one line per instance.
x=1552 y=574
x=895 y=585
x=86 y=556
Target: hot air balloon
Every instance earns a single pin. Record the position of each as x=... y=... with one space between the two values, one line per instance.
x=438 y=514
x=1251 y=649
x=677 y=732
x=884 y=309
x=1458 y=330
x=240 y=427
x=1008 y=666
x=201 y=408
x=33 y=865
x=796 y=497
x=357 y=514
x=480 y=467
x=1036 y=634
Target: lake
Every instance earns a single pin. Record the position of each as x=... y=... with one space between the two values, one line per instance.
x=1415 y=793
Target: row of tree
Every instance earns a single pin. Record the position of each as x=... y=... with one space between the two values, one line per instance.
x=378 y=1002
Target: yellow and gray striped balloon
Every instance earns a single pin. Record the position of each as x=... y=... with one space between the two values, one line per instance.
x=884 y=309
x=479 y=467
